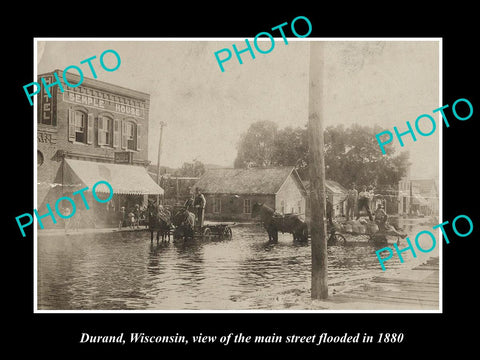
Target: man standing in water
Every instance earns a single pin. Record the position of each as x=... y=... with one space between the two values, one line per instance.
x=363 y=202
x=199 y=204
x=352 y=196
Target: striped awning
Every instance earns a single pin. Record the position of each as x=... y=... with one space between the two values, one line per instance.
x=124 y=179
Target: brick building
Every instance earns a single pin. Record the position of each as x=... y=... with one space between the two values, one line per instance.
x=92 y=132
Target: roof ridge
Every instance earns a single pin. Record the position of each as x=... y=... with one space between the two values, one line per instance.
x=261 y=180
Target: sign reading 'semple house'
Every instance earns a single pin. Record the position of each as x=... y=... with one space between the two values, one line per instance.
x=108 y=102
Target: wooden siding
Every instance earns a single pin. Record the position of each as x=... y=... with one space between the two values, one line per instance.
x=290 y=197
x=232 y=207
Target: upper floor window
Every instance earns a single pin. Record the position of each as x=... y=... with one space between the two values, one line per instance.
x=105 y=131
x=130 y=135
x=80 y=126
x=110 y=131
x=131 y=138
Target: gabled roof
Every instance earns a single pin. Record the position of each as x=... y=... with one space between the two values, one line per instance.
x=425 y=186
x=246 y=181
x=330 y=185
x=335 y=187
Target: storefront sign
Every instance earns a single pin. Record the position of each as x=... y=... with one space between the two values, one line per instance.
x=46 y=105
x=104 y=101
x=123 y=157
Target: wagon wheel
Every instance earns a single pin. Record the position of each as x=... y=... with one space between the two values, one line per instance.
x=336 y=239
x=207 y=234
x=340 y=239
x=227 y=233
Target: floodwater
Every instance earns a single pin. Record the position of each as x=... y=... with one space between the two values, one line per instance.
x=124 y=271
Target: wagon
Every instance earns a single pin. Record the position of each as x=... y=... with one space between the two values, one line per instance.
x=210 y=232
x=218 y=231
x=337 y=232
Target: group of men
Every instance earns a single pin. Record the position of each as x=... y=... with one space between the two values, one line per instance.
x=357 y=201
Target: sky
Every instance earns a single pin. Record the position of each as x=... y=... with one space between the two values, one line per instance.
x=206 y=110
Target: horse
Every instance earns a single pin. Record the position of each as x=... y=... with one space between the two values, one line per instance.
x=159 y=220
x=184 y=222
x=272 y=222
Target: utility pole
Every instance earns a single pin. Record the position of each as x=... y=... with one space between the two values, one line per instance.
x=317 y=172
x=162 y=124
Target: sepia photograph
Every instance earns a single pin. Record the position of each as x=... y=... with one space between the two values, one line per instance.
x=237 y=175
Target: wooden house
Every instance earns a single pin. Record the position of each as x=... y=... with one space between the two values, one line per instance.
x=335 y=193
x=425 y=196
x=230 y=193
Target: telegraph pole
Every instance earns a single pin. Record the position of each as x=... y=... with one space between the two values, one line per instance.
x=162 y=124
x=317 y=172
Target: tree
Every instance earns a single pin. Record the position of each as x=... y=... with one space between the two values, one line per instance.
x=193 y=169
x=291 y=149
x=265 y=145
x=256 y=146
x=352 y=155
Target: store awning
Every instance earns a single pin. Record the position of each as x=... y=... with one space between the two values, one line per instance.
x=124 y=179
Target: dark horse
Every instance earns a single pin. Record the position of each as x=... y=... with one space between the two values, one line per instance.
x=184 y=222
x=159 y=220
x=272 y=222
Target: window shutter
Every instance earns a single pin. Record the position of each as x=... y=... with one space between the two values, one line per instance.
x=124 y=135
x=138 y=136
x=90 y=129
x=71 y=125
x=104 y=130
x=116 y=133
x=100 y=131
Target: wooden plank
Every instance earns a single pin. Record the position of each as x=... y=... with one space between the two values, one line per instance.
x=407 y=298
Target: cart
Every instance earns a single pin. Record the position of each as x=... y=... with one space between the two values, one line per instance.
x=338 y=231
x=215 y=231
x=208 y=232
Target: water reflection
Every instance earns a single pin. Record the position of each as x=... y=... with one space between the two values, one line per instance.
x=126 y=271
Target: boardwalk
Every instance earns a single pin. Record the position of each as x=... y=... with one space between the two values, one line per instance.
x=412 y=289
